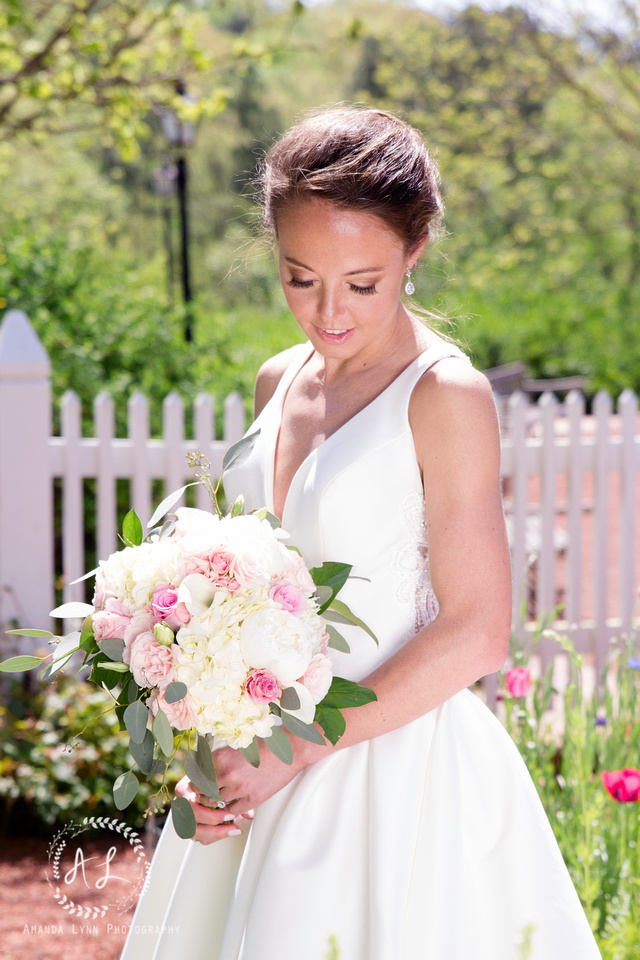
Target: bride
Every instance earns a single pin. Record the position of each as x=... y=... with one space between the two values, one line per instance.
x=420 y=835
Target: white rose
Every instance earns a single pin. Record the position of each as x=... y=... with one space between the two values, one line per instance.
x=278 y=641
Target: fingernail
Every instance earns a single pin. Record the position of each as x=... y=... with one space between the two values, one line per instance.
x=234 y=833
x=229 y=817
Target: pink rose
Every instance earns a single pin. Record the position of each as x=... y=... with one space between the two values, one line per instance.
x=622 y=785
x=289 y=597
x=151 y=663
x=142 y=623
x=263 y=687
x=518 y=681
x=181 y=715
x=226 y=583
x=164 y=606
x=112 y=621
x=318 y=676
x=220 y=561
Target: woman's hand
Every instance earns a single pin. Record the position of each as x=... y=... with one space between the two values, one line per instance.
x=243 y=788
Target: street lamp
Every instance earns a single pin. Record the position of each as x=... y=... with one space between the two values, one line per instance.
x=164 y=179
x=180 y=135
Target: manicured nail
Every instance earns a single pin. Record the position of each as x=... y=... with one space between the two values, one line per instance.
x=229 y=817
x=234 y=833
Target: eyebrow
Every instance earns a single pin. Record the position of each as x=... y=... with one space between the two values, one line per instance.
x=351 y=273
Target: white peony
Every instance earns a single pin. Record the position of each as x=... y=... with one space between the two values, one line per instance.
x=279 y=641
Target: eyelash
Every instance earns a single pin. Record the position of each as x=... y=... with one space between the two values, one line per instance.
x=305 y=284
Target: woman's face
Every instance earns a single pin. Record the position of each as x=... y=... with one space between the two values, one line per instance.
x=341 y=272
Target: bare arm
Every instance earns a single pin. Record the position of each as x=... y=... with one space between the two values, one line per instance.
x=456 y=437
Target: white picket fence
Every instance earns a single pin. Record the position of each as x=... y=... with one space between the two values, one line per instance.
x=571 y=492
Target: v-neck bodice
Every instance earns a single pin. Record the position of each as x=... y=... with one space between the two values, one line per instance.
x=357 y=498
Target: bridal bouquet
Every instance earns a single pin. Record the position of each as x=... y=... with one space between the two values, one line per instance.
x=216 y=632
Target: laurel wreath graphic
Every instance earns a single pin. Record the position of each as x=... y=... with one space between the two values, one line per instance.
x=74 y=829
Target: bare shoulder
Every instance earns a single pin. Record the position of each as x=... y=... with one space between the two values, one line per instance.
x=269 y=376
x=452 y=409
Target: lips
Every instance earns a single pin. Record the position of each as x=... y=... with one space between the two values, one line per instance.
x=333 y=336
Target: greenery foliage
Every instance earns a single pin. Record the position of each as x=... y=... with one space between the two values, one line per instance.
x=598 y=836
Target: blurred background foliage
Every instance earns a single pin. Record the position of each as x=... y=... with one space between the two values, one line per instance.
x=535 y=129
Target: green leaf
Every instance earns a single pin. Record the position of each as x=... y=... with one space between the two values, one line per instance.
x=142 y=753
x=163 y=733
x=132 y=690
x=252 y=753
x=339 y=612
x=289 y=699
x=198 y=771
x=175 y=691
x=331 y=574
x=135 y=717
x=30 y=632
x=165 y=506
x=280 y=745
x=331 y=721
x=132 y=532
x=99 y=675
x=336 y=640
x=238 y=507
x=20 y=664
x=345 y=693
x=125 y=789
x=306 y=731
x=184 y=819
x=239 y=452
x=264 y=514
x=113 y=648
x=159 y=766
x=323 y=597
x=114 y=667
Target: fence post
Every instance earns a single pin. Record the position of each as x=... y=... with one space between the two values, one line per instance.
x=26 y=496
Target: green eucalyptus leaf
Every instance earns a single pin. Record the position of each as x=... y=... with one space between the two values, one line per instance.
x=113 y=647
x=175 y=691
x=125 y=789
x=323 y=597
x=142 y=753
x=208 y=786
x=159 y=766
x=331 y=721
x=345 y=693
x=339 y=612
x=289 y=699
x=184 y=819
x=251 y=753
x=336 y=640
x=20 y=664
x=132 y=532
x=280 y=745
x=132 y=690
x=166 y=505
x=306 y=731
x=30 y=632
x=332 y=575
x=136 y=717
x=163 y=733
x=240 y=451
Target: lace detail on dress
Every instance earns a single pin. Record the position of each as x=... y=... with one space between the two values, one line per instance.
x=410 y=563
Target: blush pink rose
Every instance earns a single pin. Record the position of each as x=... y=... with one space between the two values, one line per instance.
x=220 y=562
x=318 y=676
x=142 y=623
x=622 y=785
x=112 y=621
x=226 y=583
x=181 y=715
x=289 y=597
x=263 y=687
x=164 y=606
x=518 y=681
x=151 y=662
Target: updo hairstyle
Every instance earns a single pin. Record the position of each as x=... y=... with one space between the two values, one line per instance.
x=360 y=159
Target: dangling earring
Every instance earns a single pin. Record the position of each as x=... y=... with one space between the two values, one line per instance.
x=409 y=287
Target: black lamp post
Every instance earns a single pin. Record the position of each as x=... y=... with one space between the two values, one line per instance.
x=165 y=186
x=180 y=135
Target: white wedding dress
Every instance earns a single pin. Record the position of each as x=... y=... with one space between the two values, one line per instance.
x=426 y=843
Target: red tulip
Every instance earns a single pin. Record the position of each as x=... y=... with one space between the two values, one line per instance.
x=622 y=785
x=518 y=681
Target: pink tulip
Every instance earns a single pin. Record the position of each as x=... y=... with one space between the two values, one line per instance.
x=622 y=785
x=518 y=681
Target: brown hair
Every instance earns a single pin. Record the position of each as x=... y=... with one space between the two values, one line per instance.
x=360 y=159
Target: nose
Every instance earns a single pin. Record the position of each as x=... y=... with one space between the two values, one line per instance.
x=330 y=305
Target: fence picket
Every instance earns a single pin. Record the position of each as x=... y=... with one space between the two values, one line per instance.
x=628 y=410
x=518 y=407
x=72 y=498
x=575 y=412
x=138 y=413
x=546 y=563
x=204 y=432
x=106 y=519
x=173 y=432
x=602 y=408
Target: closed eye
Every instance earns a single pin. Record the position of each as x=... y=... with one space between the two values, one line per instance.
x=365 y=291
x=299 y=283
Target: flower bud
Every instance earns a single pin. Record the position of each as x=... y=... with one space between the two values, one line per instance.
x=163 y=634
